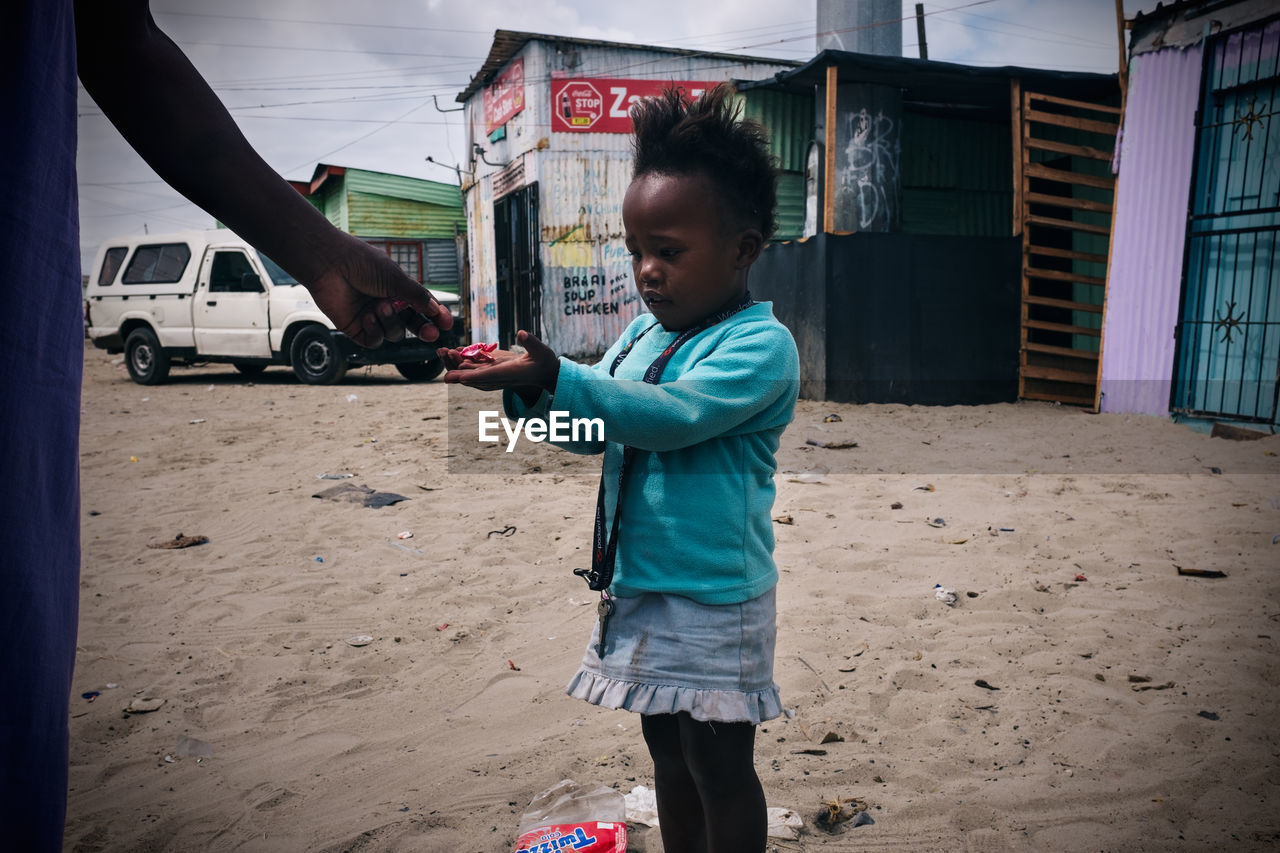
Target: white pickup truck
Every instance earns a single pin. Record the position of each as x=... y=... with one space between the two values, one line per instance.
x=208 y=296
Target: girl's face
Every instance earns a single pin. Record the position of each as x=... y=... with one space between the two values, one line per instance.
x=687 y=262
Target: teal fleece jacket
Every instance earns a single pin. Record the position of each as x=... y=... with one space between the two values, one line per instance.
x=696 y=518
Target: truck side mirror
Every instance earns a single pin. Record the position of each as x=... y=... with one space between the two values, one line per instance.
x=250 y=283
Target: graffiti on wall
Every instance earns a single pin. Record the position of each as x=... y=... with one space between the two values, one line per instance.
x=593 y=304
x=587 y=294
x=868 y=193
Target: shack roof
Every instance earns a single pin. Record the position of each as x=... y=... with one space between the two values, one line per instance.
x=1187 y=22
x=925 y=81
x=507 y=43
x=383 y=183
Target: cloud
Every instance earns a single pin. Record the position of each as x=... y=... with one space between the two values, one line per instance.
x=352 y=84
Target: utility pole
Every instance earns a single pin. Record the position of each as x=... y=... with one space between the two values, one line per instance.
x=924 y=46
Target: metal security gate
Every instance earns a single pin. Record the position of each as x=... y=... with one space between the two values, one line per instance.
x=1229 y=323
x=515 y=227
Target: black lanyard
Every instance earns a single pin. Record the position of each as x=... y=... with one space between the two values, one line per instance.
x=604 y=556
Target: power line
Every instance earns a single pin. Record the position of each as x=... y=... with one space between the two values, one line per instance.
x=797 y=26
x=349 y=120
x=358 y=138
x=467 y=56
x=351 y=24
x=1075 y=44
x=883 y=23
x=1028 y=27
x=378 y=72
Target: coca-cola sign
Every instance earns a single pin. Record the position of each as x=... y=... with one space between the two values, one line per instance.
x=601 y=104
x=504 y=98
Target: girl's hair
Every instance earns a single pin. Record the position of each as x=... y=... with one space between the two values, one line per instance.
x=706 y=137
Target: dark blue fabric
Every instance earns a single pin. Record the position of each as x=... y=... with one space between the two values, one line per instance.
x=41 y=356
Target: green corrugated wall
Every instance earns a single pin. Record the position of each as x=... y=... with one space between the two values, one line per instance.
x=373 y=215
x=789 y=118
x=372 y=204
x=957 y=176
x=333 y=204
x=398 y=186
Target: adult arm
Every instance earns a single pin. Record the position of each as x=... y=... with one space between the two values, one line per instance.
x=166 y=111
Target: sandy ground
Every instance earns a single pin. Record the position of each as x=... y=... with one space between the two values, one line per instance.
x=277 y=735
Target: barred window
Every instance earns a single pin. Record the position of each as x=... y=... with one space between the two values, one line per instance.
x=407 y=254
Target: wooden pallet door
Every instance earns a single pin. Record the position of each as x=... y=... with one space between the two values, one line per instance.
x=1064 y=193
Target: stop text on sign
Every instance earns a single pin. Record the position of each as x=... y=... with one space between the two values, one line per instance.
x=601 y=104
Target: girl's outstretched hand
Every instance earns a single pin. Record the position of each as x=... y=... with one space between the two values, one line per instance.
x=530 y=372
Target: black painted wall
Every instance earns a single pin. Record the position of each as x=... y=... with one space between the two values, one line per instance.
x=899 y=318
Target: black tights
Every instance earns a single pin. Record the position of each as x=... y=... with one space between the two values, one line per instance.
x=709 y=797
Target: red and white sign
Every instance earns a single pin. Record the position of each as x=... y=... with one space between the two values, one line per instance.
x=504 y=97
x=601 y=104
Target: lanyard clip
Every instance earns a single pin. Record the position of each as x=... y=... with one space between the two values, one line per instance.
x=592 y=577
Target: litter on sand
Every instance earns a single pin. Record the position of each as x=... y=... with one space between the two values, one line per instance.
x=1200 y=573
x=144 y=705
x=784 y=823
x=351 y=493
x=576 y=817
x=180 y=541
x=837 y=812
x=359 y=640
x=189 y=747
x=830 y=445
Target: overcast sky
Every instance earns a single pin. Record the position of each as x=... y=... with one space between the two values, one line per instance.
x=357 y=84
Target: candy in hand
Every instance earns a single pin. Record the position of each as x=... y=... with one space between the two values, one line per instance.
x=477 y=352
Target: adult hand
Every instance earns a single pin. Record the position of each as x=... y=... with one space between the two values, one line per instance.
x=365 y=294
x=536 y=368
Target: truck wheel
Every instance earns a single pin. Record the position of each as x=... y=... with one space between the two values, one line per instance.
x=315 y=357
x=423 y=371
x=148 y=363
x=248 y=368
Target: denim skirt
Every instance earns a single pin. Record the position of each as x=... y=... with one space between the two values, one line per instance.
x=666 y=653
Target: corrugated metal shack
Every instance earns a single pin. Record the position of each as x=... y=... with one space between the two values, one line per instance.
x=1193 y=309
x=419 y=223
x=956 y=229
x=551 y=160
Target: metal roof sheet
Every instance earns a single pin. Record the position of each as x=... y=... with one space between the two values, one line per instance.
x=928 y=81
x=1187 y=22
x=507 y=43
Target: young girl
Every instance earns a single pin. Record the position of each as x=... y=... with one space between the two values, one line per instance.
x=694 y=397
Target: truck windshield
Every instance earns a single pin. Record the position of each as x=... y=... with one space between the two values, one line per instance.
x=279 y=277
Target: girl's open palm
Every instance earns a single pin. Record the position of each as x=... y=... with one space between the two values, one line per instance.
x=536 y=368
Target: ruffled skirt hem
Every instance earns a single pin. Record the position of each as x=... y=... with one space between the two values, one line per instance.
x=724 y=706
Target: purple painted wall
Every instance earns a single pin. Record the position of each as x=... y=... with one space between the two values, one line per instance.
x=1149 y=231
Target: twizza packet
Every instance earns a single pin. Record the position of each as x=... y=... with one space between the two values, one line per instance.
x=586 y=837
x=477 y=352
